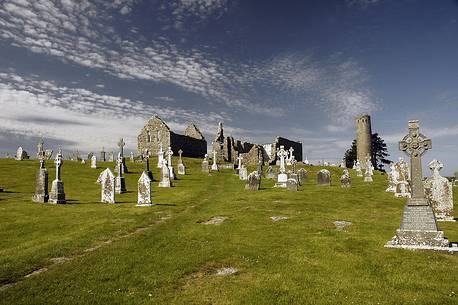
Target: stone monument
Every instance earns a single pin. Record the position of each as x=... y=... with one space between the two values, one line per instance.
x=270 y=173
x=107 y=182
x=103 y=155
x=41 y=179
x=369 y=170
x=165 y=175
x=345 y=179
x=120 y=184
x=169 y=154
x=121 y=145
x=418 y=227
x=253 y=181
x=292 y=185
x=205 y=167
x=181 y=167
x=57 y=194
x=282 y=177
x=214 y=165
x=144 y=190
x=160 y=156
x=146 y=155
x=93 y=161
x=323 y=178
x=363 y=138
x=359 y=171
x=439 y=192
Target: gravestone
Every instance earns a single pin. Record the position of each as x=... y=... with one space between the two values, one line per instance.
x=282 y=177
x=392 y=179
x=402 y=179
x=165 y=175
x=239 y=164
x=103 y=155
x=205 y=167
x=294 y=176
x=41 y=179
x=132 y=157
x=323 y=177
x=160 y=156
x=169 y=154
x=21 y=154
x=120 y=184
x=57 y=194
x=93 y=161
x=418 y=227
x=89 y=156
x=291 y=185
x=107 y=181
x=243 y=173
x=359 y=171
x=145 y=156
x=121 y=145
x=369 y=170
x=48 y=154
x=214 y=165
x=111 y=157
x=289 y=156
x=303 y=175
x=144 y=190
x=270 y=173
x=345 y=179
x=253 y=181
x=181 y=167
x=439 y=192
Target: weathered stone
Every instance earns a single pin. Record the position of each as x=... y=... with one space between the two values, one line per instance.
x=21 y=154
x=205 y=167
x=41 y=186
x=391 y=179
x=282 y=177
x=291 y=185
x=181 y=166
x=121 y=145
x=144 y=190
x=345 y=179
x=369 y=170
x=270 y=173
x=145 y=156
x=253 y=181
x=295 y=177
x=165 y=176
x=418 y=227
x=132 y=159
x=169 y=154
x=107 y=182
x=111 y=157
x=363 y=139
x=323 y=177
x=103 y=155
x=243 y=173
x=439 y=192
x=214 y=165
x=402 y=177
x=120 y=182
x=303 y=174
x=359 y=171
x=93 y=161
x=57 y=194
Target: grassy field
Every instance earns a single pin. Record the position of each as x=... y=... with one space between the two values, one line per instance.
x=87 y=252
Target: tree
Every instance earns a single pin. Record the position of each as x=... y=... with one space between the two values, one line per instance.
x=379 y=153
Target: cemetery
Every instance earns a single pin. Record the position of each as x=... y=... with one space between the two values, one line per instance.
x=210 y=233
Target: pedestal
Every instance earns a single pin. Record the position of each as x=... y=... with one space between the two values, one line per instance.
x=120 y=185
x=41 y=186
x=281 y=180
x=57 y=194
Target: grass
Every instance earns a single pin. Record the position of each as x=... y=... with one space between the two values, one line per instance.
x=163 y=255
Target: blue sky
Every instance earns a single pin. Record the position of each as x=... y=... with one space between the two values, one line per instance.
x=85 y=73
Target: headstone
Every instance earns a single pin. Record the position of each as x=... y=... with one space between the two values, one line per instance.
x=132 y=157
x=145 y=156
x=243 y=173
x=303 y=174
x=253 y=181
x=57 y=194
x=294 y=176
x=103 y=156
x=239 y=164
x=205 y=168
x=111 y=157
x=107 y=181
x=160 y=156
x=418 y=227
x=93 y=161
x=21 y=154
x=48 y=154
x=290 y=156
x=144 y=190
x=181 y=167
x=165 y=175
x=343 y=164
x=89 y=156
x=282 y=177
x=120 y=184
x=41 y=179
x=402 y=179
x=214 y=165
x=323 y=177
x=369 y=170
x=291 y=185
x=345 y=179
x=392 y=176
x=359 y=171
x=169 y=154
x=121 y=145
x=439 y=192
x=270 y=173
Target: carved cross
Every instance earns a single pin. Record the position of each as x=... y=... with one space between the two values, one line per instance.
x=58 y=161
x=121 y=145
x=119 y=164
x=415 y=145
x=169 y=156
x=240 y=158
x=146 y=156
x=282 y=154
x=41 y=154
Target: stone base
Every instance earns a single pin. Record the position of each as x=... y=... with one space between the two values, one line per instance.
x=120 y=185
x=440 y=217
x=40 y=198
x=181 y=169
x=215 y=167
x=144 y=204
x=411 y=238
x=57 y=195
x=281 y=181
x=165 y=183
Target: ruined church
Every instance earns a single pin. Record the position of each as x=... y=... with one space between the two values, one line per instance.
x=156 y=131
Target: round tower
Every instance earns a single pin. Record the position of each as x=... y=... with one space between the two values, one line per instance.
x=363 y=139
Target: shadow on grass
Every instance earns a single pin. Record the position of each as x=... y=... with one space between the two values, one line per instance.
x=166 y=204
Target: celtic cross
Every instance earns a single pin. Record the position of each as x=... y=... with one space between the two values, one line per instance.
x=415 y=145
x=121 y=145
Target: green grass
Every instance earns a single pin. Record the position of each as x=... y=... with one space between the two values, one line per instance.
x=173 y=260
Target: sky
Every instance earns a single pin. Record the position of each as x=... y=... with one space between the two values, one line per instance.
x=83 y=74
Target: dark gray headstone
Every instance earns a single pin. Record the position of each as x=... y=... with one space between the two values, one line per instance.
x=253 y=181
x=323 y=178
x=291 y=185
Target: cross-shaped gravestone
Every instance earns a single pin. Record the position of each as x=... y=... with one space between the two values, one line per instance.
x=146 y=155
x=282 y=154
x=291 y=150
x=121 y=145
x=415 y=145
x=41 y=154
x=169 y=156
x=239 y=159
x=180 y=152
x=40 y=146
x=58 y=162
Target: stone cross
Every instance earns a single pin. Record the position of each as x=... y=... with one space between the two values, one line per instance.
x=41 y=154
x=282 y=154
x=291 y=150
x=121 y=145
x=169 y=156
x=40 y=147
x=58 y=161
x=240 y=158
x=415 y=145
x=146 y=155
x=180 y=152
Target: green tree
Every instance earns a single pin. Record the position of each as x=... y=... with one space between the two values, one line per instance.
x=379 y=153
